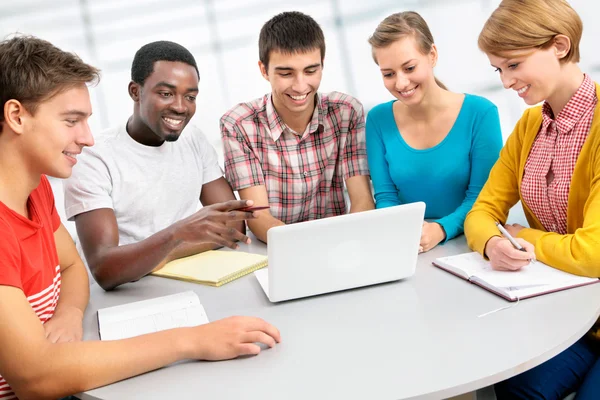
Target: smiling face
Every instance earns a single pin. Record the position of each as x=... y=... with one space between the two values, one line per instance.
x=55 y=134
x=407 y=72
x=167 y=99
x=294 y=79
x=534 y=74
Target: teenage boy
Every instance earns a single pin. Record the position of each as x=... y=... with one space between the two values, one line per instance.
x=134 y=195
x=294 y=148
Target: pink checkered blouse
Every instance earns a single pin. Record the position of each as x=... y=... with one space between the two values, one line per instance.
x=549 y=167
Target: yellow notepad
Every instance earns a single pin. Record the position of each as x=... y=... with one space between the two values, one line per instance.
x=214 y=267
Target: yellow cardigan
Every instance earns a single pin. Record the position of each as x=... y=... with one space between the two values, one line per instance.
x=577 y=252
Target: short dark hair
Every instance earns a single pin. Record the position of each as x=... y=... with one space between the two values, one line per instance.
x=33 y=70
x=144 y=59
x=290 y=32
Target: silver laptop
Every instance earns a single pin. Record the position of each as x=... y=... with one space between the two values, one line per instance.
x=337 y=253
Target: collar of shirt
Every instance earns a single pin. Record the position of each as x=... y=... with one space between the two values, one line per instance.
x=582 y=101
x=23 y=227
x=277 y=126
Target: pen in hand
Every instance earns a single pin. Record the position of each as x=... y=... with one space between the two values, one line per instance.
x=511 y=239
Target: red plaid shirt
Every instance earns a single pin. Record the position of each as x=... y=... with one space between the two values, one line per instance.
x=304 y=173
x=549 y=167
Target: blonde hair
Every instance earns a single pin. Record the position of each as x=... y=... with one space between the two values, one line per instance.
x=528 y=24
x=399 y=25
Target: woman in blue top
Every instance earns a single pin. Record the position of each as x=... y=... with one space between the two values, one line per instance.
x=430 y=144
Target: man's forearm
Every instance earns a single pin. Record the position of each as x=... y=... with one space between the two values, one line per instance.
x=74 y=288
x=364 y=205
x=74 y=367
x=359 y=193
x=262 y=224
x=121 y=264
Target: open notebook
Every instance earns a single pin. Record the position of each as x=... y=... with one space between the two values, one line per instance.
x=533 y=280
x=214 y=268
x=148 y=316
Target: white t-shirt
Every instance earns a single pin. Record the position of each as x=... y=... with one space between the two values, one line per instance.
x=148 y=188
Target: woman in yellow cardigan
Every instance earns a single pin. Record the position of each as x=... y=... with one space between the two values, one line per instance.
x=551 y=162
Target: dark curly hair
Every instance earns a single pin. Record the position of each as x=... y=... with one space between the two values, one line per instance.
x=147 y=55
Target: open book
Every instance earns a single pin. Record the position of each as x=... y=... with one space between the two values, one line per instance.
x=532 y=280
x=214 y=268
x=148 y=316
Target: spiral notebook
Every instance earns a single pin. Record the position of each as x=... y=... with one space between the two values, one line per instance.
x=532 y=280
x=214 y=267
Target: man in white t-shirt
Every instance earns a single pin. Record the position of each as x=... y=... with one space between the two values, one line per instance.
x=134 y=195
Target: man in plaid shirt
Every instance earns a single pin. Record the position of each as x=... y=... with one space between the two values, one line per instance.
x=294 y=149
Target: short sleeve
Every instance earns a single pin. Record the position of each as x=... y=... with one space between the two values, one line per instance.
x=242 y=167
x=355 y=153
x=10 y=257
x=90 y=185
x=208 y=157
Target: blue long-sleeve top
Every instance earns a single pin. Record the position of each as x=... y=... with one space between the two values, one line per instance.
x=447 y=177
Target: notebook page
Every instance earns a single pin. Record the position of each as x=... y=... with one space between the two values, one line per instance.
x=533 y=275
x=211 y=266
x=148 y=316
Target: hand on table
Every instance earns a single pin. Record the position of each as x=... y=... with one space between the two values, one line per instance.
x=431 y=235
x=231 y=337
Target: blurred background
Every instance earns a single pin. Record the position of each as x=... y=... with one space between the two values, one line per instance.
x=223 y=36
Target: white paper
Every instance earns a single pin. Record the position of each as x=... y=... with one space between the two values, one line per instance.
x=148 y=316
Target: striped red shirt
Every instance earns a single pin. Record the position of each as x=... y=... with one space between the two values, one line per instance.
x=304 y=172
x=28 y=257
x=549 y=167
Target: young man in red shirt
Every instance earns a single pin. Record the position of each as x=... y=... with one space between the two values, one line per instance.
x=43 y=127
